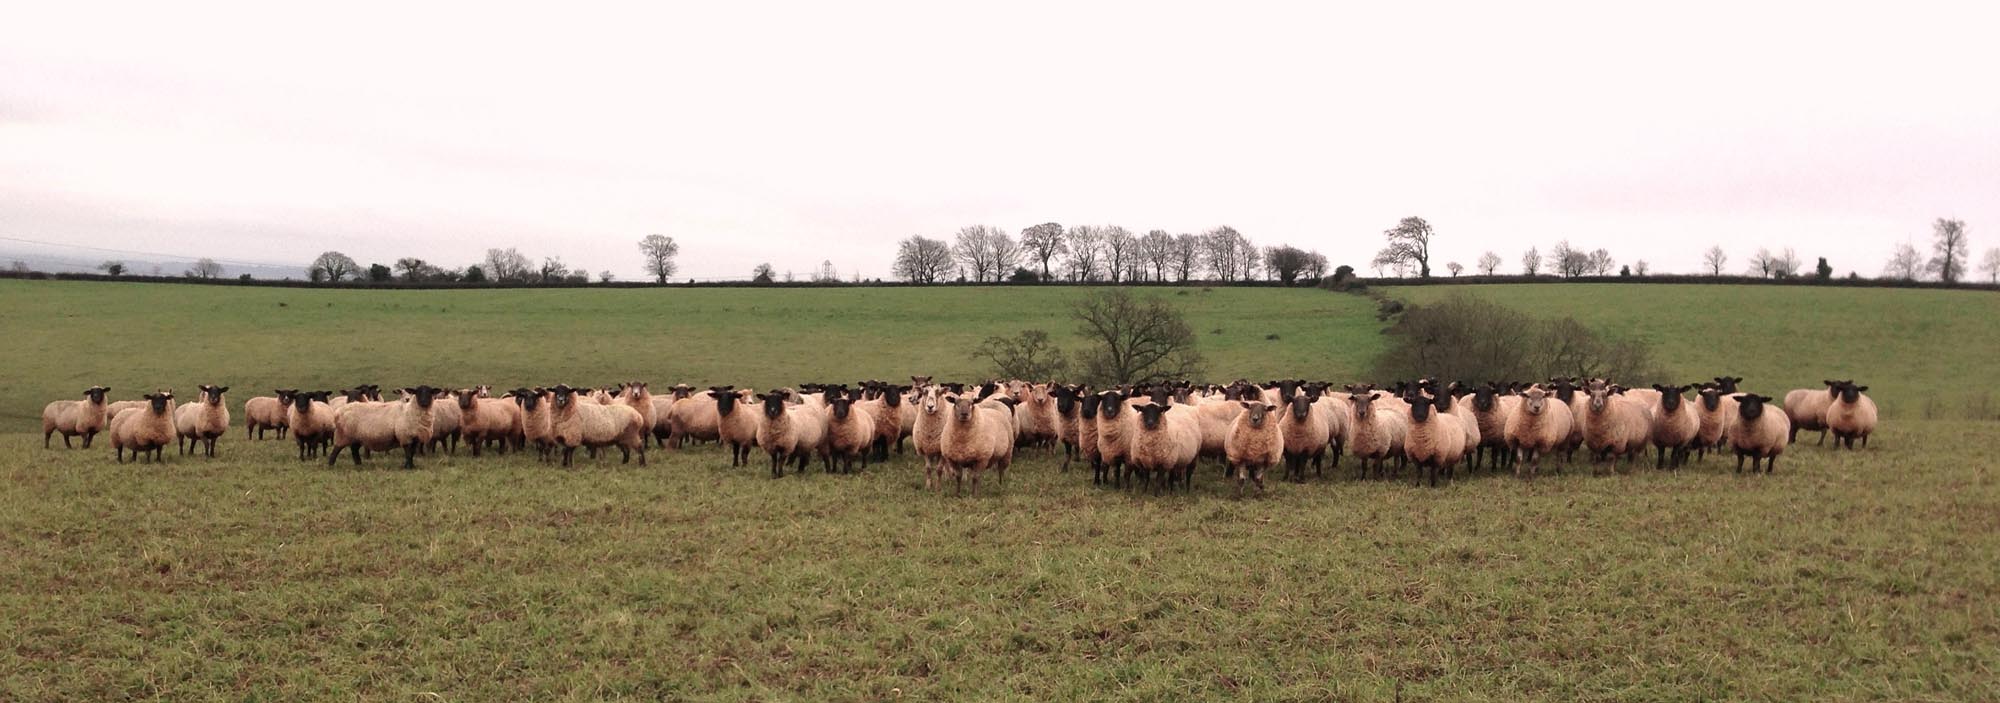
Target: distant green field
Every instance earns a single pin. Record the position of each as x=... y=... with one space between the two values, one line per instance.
x=1917 y=350
x=65 y=336
x=252 y=576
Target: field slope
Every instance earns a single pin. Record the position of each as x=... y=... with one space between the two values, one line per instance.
x=1843 y=576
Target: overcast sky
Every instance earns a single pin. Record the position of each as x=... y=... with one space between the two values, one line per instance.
x=794 y=133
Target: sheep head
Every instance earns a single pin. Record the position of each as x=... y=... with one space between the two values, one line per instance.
x=1256 y=411
x=1751 y=405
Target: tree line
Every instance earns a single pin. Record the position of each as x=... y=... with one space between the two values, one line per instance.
x=1100 y=253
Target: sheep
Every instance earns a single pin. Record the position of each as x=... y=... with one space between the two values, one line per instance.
x=1805 y=408
x=695 y=417
x=1542 y=424
x=377 y=426
x=1306 y=432
x=268 y=412
x=482 y=420
x=198 y=424
x=310 y=421
x=1758 y=434
x=735 y=428
x=1490 y=410
x=1716 y=411
x=537 y=425
x=791 y=432
x=1851 y=416
x=1254 y=443
x=447 y=426
x=1435 y=441
x=111 y=410
x=1447 y=403
x=1676 y=425
x=640 y=399
x=85 y=417
x=1339 y=414
x=1114 y=427
x=1614 y=426
x=1086 y=431
x=145 y=430
x=1378 y=432
x=364 y=393
x=882 y=402
x=573 y=424
x=978 y=435
x=1067 y=423
x=1216 y=416
x=1038 y=420
x=1566 y=392
x=1166 y=441
x=928 y=433
x=850 y=433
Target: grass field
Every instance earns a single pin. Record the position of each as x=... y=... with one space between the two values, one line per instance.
x=253 y=577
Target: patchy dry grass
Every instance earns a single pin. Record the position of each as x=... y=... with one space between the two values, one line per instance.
x=1843 y=576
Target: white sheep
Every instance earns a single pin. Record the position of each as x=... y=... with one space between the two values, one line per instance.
x=1614 y=426
x=310 y=421
x=1542 y=424
x=1805 y=408
x=977 y=436
x=1491 y=409
x=1435 y=441
x=1851 y=416
x=1676 y=425
x=791 y=432
x=595 y=425
x=1114 y=429
x=1378 y=431
x=537 y=423
x=928 y=432
x=267 y=412
x=640 y=399
x=1165 y=442
x=145 y=430
x=378 y=426
x=1307 y=433
x=72 y=418
x=198 y=424
x=850 y=433
x=1254 y=443
x=1758 y=433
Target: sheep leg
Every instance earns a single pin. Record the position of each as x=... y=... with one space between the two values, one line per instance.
x=1822 y=436
x=1739 y=462
x=410 y=454
x=1770 y=464
x=87 y=436
x=281 y=431
x=568 y=453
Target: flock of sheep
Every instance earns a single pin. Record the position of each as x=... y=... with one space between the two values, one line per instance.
x=1154 y=434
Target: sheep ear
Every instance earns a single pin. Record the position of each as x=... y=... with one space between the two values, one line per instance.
x=1269 y=407
x=1862 y=389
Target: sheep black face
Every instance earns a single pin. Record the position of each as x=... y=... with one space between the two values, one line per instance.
x=841 y=407
x=1751 y=406
x=1444 y=401
x=302 y=401
x=95 y=394
x=1670 y=396
x=774 y=403
x=1149 y=415
x=1711 y=398
x=1065 y=398
x=565 y=395
x=725 y=400
x=285 y=395
x=1087 y=406
x=1300 y=405
x=214 y=393
x=1256 y=411
x=1850 y=392
x=1482 y=398
x=159 y=400
x=372 y=392
x=893 y=395
x=423 y=394
x=465 y=397
x=1108 y=404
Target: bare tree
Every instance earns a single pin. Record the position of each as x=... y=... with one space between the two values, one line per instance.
x=1005 y=253
x=1569 y=262
x=1220 y=247
x=1761 y=263
x=1531 y=262
x=1044 y=242
x=1134 y=340
x=1785 y=265
x=606 y=276
x=1454 y=268
x=506 y=265
x=1905 y=264
x=554 y=270
x=1158 y=249
x=1029 y=355
x=19 y=266
x=763 y=274
x=1949 y=250
x=1249 y=259
x=1409 y=241
x=333 y=266
x=1187 y=256
x=826 y=273
x=205 y=268
x=1639 y=267
x=1601 y=262
x=1120 y=247
x=1714 y=260
x=1286 y=262
x=1315 y=265
x=1086 y=244
x=1990 y=265
x=1488 y=263
x=974 y=250
x=112 y=268
x=659 y=251
x=921 y=259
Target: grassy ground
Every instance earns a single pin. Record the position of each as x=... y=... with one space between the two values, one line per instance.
x=254 y=577
x=66 y=336
x=1923 y=353
x=1863 y=576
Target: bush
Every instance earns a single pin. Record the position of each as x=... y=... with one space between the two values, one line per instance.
x=1029 y=355
x=1463 y=338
